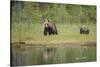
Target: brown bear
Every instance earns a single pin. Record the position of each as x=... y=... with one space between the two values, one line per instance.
x=84 y=30
x=49 y=28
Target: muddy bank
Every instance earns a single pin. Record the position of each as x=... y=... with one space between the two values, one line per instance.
x=54 y=44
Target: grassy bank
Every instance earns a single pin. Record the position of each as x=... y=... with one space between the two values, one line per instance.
x=24 y=32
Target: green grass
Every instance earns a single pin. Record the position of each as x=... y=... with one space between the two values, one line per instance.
x=66 y=32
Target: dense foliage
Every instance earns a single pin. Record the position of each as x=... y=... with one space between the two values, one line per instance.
x=36 y=12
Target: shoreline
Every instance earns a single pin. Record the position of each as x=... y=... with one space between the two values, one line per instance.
x=54 y=43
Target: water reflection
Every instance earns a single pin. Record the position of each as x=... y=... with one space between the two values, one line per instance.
x=48 y=54
x=36 y=55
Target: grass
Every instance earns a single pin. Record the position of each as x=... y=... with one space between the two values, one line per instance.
x=24 y=32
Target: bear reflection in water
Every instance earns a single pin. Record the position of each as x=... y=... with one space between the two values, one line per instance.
x=48 y=54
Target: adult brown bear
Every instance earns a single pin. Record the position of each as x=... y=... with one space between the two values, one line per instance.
x=84 y=30
x=49 y=28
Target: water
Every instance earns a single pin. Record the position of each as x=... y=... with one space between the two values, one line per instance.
x=38 y=55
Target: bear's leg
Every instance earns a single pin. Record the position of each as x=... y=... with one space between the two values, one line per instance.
x=50 y=33
x=81 y=31
x=87 y=32
x=45 y=31
x=49 y=30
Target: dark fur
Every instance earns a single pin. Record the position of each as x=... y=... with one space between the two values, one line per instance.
x=50 y=29
x=84 y=30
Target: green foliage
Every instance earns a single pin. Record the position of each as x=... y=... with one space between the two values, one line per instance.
x=36 y=12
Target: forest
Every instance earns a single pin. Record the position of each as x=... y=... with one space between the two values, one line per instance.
x=27 y=20
x=36 y=12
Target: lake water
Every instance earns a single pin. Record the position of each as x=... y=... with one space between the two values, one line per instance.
x=38 y=55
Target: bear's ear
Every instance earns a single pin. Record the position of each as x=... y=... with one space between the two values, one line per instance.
x=46 y=20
